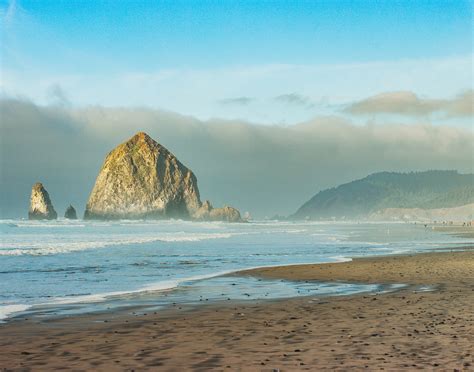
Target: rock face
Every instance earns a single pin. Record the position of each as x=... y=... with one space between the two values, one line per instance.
x=142 y=179
x=226 y=213
x=70 y=213
x=41 y=207
x=202 y=214
x=208 y=213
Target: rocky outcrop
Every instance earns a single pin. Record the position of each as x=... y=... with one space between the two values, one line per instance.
x=225 y=213
x=41 y=207
x=142 y=179
x=70 y=213
x=202 y=214
x=208 y=213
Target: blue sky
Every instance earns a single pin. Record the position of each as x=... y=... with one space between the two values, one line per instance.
x=195 y=57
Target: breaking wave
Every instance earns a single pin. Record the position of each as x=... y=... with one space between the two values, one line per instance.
x=58 y=247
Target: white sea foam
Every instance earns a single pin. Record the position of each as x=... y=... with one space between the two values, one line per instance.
x=346 y=242
x=56 y=247
x=294 y=231
x=43 y=224
x=168 y=284
x=340 y=258
x=7 y=311
x=154 y=287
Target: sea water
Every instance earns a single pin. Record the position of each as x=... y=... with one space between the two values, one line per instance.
x=64 y=267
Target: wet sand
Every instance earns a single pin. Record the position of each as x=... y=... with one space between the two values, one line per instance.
x=466 y=232
x=405 y=330
x=423 y=268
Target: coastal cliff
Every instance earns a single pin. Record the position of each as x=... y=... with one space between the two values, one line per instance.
x=142 y=179
x=41 y=207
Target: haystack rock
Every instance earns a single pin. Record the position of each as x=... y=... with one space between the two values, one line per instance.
x=41 y=207
x=142 y=179
x=70 y=213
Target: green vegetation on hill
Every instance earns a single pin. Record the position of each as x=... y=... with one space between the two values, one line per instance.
x=427 y=190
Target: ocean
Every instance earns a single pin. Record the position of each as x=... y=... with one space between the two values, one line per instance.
x=64 y=267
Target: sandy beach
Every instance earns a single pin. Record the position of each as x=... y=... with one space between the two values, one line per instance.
x=408 y=329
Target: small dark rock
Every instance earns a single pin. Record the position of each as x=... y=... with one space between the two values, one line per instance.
x=70 y=213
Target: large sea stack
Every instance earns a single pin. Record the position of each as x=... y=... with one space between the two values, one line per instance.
x=142 y=179
x=41 y=207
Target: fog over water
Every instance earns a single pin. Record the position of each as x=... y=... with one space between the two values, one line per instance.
x=262 y=169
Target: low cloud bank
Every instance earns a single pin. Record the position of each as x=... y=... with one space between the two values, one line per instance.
x=409 y=104
x=261 y=169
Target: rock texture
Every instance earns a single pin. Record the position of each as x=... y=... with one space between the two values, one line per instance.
x=226 y=213
x=208 y=213
x=202 y=214
x=70 y=213
x=41 y=207
x=142 y=179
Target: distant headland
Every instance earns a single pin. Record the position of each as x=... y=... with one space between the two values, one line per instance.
x=425 y=196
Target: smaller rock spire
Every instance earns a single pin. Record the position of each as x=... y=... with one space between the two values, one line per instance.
x=41 y=207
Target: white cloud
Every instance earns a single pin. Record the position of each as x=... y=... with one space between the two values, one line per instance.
x=409 y=104
x=198 y=92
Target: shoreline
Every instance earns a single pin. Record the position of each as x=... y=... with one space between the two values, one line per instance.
x=395 y=330
x=102 y=297
x=18 y=314
x=369 y=270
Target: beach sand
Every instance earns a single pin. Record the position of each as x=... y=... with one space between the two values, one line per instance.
x=403 y=330
x=466 y=232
